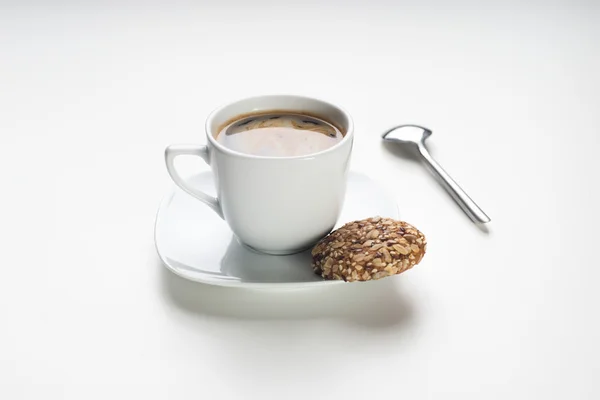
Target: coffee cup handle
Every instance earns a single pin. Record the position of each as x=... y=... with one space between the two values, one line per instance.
x=201 y=151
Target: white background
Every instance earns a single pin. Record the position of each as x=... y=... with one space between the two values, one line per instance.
x=90 y=94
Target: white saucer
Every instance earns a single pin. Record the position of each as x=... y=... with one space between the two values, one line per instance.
x=194 y=243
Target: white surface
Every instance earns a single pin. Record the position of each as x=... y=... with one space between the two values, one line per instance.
x=196 y=244
x=276 y=205
x=91 y=95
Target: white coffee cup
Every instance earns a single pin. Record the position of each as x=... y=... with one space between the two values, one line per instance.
x=275 y=205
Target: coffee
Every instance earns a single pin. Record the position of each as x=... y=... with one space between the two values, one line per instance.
x=279 y=134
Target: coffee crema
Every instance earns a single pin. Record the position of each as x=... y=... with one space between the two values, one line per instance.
x=279 y=134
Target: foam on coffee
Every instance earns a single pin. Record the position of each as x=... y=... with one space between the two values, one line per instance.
x=279 y=134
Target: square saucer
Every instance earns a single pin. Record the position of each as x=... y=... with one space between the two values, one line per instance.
x=195 y=243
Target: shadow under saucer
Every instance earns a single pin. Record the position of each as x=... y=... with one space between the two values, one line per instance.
x=375 y=304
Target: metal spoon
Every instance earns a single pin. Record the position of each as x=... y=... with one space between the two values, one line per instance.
x=414 y=135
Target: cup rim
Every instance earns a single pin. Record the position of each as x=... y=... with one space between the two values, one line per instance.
x=209 y=120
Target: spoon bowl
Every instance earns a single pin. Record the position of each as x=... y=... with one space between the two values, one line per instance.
x=407 y=134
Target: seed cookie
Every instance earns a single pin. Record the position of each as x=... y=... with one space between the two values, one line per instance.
x=371 y=248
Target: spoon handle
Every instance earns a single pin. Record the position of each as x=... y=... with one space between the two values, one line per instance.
x=460 y=197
